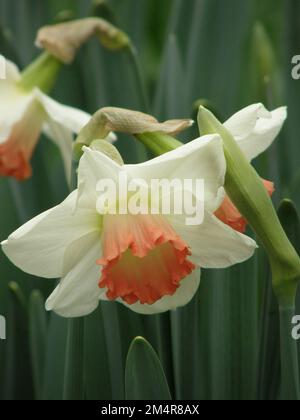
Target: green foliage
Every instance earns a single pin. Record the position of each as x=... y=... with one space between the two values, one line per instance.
x=226 y=343
x=144 y=376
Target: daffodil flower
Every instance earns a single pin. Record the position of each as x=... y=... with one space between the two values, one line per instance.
x=23 y=116
x=150 y=263
x=255 y=129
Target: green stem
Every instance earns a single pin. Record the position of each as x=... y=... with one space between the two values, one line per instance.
x=290 y=385
x=158 y=143
x=133 y=56
x=41 y=73
x=248 y=193
x=73 y=381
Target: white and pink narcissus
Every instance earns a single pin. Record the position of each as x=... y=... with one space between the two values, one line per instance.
x=150 y=263
x=255 y=129
x=23 y=116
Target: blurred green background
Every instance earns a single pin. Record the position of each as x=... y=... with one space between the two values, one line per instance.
x=224 y=345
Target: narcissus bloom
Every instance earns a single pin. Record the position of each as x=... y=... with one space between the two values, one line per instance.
x=255 y=129
x=150 y=263
x=23 y=116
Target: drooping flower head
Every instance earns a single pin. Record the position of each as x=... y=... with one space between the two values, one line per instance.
x=24 y=115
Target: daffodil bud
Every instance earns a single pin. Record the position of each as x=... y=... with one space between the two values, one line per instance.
x=246 y=190
x=64 y=39
x=41 y=73
x=207 y=104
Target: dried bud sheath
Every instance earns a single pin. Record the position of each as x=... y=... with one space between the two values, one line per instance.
x=64 y=39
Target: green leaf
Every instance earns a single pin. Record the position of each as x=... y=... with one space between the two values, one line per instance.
x=6 y=47
x=289 y=152
x=115 y=345
x=55 y=358
x=144 y=376
x=38 y=335
x=269 y=336
x=74 y=376
x=17 y=379
x=171 y=96
x=290 y=377
x=290 y=382
x=216 y=27
x=96 y=361
x=290 y=220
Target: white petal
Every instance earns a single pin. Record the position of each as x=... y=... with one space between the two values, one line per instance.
x=39 y=246
x=13 y=101
x=93 y=167
x=243 y=122
x=202 y=158
x=78 y=293
x=12 y=73
x=62 y=122
x=255 y=128
x=63 y=138
x=68 y=117
x=182 y=297
x=214 y=244
x=26 y=131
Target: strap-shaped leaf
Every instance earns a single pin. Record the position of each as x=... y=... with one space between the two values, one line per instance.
x=74 y=376
x=144 y=376
x=290 y=379
x=38 y=335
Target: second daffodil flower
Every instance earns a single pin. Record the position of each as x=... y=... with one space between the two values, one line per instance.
x=24 y=114
x=255 y=129
x=150 y=263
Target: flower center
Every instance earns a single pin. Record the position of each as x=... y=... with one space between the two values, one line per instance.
x=143 y=258
x=13 y=163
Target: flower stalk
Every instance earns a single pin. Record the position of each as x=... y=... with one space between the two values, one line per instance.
x=41 y=73
x=158 y=143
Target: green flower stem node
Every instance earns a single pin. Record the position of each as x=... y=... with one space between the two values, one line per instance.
x=41 y=73
x=246 y=190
